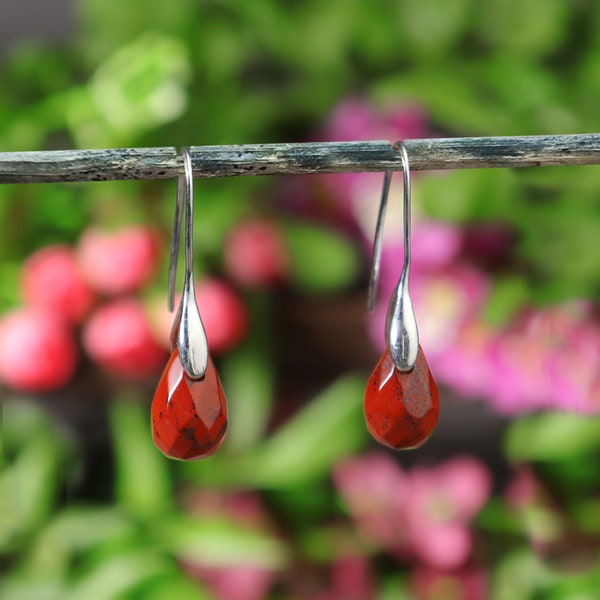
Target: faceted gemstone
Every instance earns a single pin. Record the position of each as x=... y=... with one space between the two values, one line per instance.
x=401 y=408
x=189 y=416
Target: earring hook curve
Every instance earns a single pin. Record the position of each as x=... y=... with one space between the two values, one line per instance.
x=187 y=334
x=401 y=333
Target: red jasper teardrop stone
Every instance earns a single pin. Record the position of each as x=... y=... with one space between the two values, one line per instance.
x=189 y=416
x=401 y=408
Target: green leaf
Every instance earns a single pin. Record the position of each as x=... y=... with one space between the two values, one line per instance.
x=525 y=27
x=579 y=586
x=322 y=260
x=305 y=447
x=453 y=97
x=15 y=586
x=586 y=514
x=521 y=575
x=507 y=298
x=140 y=87
x=75 y=530
x=107 y=26
x=117 y=575
x=432 y=26
x=496 y=519
x=552 y=436
x=249 y=380
x=143 y=482
x=220 y=542
x=29 y=484
x=174 y=586
x=469 y=195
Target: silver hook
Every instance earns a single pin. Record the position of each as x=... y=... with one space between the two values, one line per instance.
x=187 y=333
x=401 y=333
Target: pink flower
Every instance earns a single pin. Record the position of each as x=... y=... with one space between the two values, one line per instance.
x=119 y=338
x=443 y=301
x=518 y=375
x=51 y=280
x=548 y=359
x=352 y=119
x=118 y=262
x=374 y=489
x=570 y=336
x=356 y=118
x=573 y=381
x=435 y=245
x=234 y=582
x=256 y=254
x=465 y=365
x=440 y=506
x=424 y=513
x=467 y=484
x=435 y=248
x=444 y=546
x=38 y=352
x=409 y=121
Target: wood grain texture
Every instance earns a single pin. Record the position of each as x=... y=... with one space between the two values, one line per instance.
x=303 y=158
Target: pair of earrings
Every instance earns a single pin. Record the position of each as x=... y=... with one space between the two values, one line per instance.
x=189 y=410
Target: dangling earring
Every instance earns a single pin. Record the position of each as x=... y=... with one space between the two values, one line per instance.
x=401 y=400
x=189 y=410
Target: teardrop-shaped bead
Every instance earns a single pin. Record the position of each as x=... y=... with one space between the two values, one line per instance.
x=401 y=408
x=189 y=416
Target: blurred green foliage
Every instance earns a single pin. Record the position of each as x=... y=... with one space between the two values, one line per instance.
x=150 y=73
x=142 y=73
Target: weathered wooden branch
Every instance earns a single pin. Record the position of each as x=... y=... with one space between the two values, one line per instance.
x=304 y=158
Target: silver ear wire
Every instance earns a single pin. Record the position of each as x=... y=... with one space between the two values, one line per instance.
x=187 y=333
x=401 y=333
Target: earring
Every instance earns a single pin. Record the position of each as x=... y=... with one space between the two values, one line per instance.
x=189 y=410
x=401 y=400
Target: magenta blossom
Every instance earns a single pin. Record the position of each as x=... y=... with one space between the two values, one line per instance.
x=442 y=502
x=443 y=301
x=423 y=514
x=465 y=365
x=350 y=579
x=374 y=488
x=357 y=119
x=235 y=582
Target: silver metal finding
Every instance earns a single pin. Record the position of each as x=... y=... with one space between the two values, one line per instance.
x=187 y=333
x=401 y=333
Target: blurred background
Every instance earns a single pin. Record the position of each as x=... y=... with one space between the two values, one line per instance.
x=502 y=502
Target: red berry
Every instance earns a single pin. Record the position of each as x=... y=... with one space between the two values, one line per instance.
x=118 y=337
x=38 y=352
x=50 y=279
x=223 y=313
x=118 y=262
x=256 y=254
